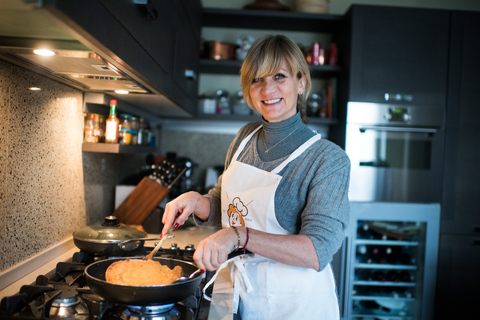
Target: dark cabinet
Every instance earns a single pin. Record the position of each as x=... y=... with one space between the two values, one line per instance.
x=144 y=39
x=459 y=257
x=398 y=55
x=461 y=191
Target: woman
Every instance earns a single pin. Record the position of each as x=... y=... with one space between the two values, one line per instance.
x=283 y=196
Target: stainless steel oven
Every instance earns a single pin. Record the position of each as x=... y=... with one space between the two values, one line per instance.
x=396 y=152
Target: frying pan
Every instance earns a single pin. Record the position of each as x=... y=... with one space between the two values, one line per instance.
x=142 y=295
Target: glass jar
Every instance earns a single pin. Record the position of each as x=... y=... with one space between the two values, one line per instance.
x=239 y=105
x=143 y=132
x=89 y=129
x=223 y=105
x=126 y=129
x=135 y=127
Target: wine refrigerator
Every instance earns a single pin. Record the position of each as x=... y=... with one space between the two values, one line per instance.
x=389 y=261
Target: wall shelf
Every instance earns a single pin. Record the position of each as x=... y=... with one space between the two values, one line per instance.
x=116 y=148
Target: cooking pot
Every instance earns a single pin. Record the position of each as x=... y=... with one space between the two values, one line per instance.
x=219 y=50
x=142 y=295
x=104 y=239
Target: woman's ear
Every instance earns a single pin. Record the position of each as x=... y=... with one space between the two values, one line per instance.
x=301 y=85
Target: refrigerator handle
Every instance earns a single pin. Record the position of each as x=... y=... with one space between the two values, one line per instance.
x=346 y=279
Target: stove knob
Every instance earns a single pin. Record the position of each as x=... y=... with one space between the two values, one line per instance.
x=174 y=246
x=190 y=247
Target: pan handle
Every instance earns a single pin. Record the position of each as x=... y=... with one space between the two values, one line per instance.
x=132 y=244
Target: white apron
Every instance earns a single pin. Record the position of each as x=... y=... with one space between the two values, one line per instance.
x=263 y=288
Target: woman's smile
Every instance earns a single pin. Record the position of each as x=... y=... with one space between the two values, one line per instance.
x=275 y=96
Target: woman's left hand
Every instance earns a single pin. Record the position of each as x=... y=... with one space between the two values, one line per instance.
x=213 y=250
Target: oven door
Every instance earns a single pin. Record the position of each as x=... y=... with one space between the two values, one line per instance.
x=393 y=163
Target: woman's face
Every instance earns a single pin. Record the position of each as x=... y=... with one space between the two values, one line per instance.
x=275 y=96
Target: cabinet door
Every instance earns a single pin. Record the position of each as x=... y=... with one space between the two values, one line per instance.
x=187 y=47
x=458 y=278
x=155 y=35
x=461 y=187
x=399 y=55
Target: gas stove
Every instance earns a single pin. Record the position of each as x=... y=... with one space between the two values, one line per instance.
x=63 y=293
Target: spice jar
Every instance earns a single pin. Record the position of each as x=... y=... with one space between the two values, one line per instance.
x=126 y=129
x=89 y=129
x=143 y=132
x=135 y=127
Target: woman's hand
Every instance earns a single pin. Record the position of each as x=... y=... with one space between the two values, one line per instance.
x=213 y=250
x=178 y=210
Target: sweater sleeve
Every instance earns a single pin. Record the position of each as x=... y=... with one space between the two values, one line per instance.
x=326 y=214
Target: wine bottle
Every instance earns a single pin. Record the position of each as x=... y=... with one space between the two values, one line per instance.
x=372 y=305
x=379 y=276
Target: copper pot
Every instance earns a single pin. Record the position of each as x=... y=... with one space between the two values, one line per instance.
x=219 y=50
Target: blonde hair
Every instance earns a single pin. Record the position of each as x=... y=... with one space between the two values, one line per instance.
x=266 y=57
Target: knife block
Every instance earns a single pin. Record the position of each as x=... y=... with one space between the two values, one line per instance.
x=141 y=202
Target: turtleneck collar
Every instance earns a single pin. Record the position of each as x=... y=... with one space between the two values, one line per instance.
x=281 y=129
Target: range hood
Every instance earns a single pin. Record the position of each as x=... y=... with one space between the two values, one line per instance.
x=80 y=60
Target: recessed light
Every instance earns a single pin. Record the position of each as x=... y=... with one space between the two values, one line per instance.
x=44 y=52
x=122 y=91
x=35 y=88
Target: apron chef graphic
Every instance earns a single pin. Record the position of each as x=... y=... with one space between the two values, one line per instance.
x=264 y=288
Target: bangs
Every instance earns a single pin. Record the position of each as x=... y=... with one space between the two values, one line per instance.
x=270 y=62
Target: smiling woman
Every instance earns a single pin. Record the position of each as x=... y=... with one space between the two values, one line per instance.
x=283 y=196
x=275 y=78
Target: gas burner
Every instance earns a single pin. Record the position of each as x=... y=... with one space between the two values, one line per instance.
x=68 y=304
x=160 y=312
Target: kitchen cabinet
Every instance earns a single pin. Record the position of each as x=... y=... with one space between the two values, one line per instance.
x=147 y=47
x=399 y=55
x=270 y=20
x=458 y=280
x=169 y=31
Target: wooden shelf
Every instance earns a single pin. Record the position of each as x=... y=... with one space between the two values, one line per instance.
x=116 y=148
x=233 y=67
x=271 y=20
x=253 y=117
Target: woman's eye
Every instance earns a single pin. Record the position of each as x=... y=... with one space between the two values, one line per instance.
x=280 y=76
x=256 y=80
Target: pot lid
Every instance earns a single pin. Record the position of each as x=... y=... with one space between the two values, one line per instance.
x=109 y=231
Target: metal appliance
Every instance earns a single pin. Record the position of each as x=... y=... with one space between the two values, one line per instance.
x=389 y=263
x=63 y=293
x=396 y=152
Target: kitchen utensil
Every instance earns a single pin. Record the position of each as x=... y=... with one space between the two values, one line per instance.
x=219 y=50
x=198 y=271
x=147 y=195
x=158 y=246
x=104 y=239
x=142 y=295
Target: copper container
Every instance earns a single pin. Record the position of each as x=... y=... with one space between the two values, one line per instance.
x=219 y=50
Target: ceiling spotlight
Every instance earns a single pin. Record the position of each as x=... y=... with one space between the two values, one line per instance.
x=122 y=91
x=44 y=52
x=34 y=88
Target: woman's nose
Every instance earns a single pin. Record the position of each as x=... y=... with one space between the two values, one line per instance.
x=268 y=86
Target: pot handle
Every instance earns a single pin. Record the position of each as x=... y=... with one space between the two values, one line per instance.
x=132 y=244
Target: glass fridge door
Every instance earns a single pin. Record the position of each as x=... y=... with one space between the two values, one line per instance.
x=391 y=264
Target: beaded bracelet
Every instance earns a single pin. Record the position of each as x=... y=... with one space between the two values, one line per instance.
x=248 y=236
x=239 y=240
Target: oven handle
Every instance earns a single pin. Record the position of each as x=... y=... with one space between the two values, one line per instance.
x=399 y=129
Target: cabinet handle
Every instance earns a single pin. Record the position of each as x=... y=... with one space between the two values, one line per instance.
x=476 y=242
x=190 y=74
x=152 y=13
x=476 y=229
x=397 y=97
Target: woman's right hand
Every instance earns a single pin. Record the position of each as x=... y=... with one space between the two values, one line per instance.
x=178 y=210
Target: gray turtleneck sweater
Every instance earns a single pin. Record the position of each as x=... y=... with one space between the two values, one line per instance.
x=312 y=197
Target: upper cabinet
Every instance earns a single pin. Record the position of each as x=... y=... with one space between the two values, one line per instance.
x=154 y=44
x=399 y=55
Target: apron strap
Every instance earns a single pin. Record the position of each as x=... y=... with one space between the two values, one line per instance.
x=243 y=143
x=297 y=152
x=241 y=278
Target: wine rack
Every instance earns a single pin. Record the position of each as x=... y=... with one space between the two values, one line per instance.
x=390 y=265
